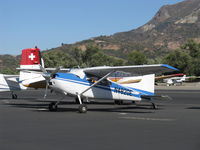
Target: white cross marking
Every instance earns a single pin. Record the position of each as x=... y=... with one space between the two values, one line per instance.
x=31 y=56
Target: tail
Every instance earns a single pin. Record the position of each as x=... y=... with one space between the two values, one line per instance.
x=145 y=84
x=29 y=66
x=183 y=78
x=31 y=59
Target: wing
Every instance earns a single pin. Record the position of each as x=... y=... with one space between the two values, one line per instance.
x=134 y=70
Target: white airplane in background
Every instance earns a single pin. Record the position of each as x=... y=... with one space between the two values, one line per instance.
x=175 y=80
x=94 y=83
x=11 y=83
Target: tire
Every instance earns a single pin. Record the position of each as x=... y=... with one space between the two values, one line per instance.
x=14 y=96
x=82 y=108
x=53 y=106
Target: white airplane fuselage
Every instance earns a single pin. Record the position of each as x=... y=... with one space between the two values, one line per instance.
x=72 y=84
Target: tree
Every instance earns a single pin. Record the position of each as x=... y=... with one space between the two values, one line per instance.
x=136 y=58
x=59 y=58
x=101 y=59
x=181 y=60
x=78 y=56
x=196 y=65
x=88 y=54
x=192 y=47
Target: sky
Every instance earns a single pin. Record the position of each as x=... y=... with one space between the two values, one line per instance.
x=48 y=23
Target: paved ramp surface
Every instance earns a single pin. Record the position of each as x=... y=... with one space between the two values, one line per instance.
x=26 y=124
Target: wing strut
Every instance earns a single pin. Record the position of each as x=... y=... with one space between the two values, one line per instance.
x=96 y=83
x=83 y=107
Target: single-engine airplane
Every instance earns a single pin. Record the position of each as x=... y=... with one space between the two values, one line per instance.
x=175 y=80
x=94 y=83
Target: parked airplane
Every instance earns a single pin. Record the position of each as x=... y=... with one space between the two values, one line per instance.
x=94 y=83
x=30 y=59
x=175 y=80
x=30 y=76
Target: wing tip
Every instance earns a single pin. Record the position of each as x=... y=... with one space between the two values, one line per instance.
x=170 y=67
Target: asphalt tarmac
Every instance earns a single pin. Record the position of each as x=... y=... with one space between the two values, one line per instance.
x=26 y=124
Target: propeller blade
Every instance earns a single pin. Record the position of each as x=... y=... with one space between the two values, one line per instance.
x=43 y=70
x=55 y=71
x=46 y=89
x=48 y=77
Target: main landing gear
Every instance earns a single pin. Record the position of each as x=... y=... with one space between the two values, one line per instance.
x=82 y=107
x=53 y=106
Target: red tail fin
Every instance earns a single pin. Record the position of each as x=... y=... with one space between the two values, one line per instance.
x=30 y=56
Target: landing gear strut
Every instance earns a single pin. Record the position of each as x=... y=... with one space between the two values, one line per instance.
x=82 y=107
x=77 y=100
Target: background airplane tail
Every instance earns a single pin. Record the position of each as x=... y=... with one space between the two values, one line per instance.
x=30 y=68
x=183 y=78
x=31 y=59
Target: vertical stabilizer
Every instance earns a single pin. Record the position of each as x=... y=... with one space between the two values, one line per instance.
x=30 y=68
x=30 y=59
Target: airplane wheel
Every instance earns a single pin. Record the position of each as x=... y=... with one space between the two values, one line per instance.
x=82 y=108
x=53 y=106
x=14 y=96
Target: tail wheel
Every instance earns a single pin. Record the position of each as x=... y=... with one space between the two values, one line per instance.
x=154 y=106
x=53 y=106
x=82 y=108
x=14 y=96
